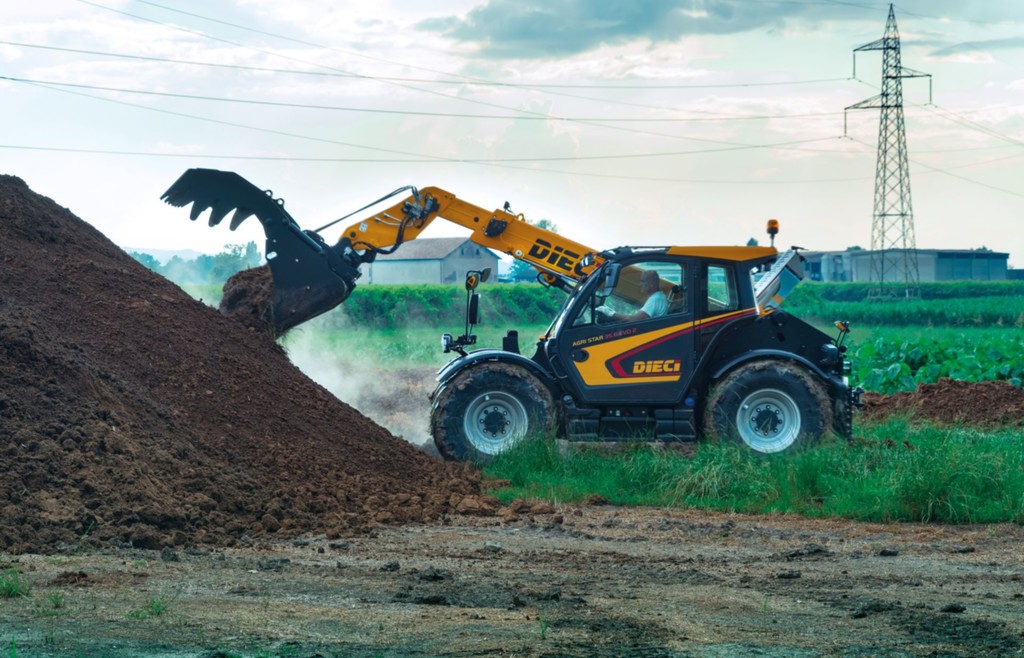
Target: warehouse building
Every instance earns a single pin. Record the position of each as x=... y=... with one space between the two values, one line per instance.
x=854 y=264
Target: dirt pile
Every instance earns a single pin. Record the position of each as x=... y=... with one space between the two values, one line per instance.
x=951 y=401
x=130 y=413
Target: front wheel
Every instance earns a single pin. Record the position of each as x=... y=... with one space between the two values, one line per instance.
x=769 y=406
x=486 y=409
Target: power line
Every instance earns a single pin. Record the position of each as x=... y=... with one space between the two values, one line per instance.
x=499 y=163
x=476 y=82
x=336 y=108
x=791 y=145
x=549 y=118
x=959 y=118
x=367 y=77
x=546 y=88
x=466 y=79
x=294 y=59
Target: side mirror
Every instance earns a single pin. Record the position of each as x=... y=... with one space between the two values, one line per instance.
x=473 y=310
x=476 y=277
x=611 y=278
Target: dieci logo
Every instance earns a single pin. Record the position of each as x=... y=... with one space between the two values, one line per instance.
x=563 y=259
x=659 y=366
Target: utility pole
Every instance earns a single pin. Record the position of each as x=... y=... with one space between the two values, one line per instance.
x=893 y=246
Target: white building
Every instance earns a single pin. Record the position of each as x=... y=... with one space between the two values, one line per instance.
x=430 y=260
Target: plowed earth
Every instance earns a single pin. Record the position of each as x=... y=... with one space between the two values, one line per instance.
x=954 y=402
x=171 y=485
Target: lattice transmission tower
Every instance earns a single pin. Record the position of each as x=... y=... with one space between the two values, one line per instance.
x=894 y=267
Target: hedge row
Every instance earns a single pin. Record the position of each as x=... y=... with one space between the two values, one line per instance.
x=810 y=292
x=391 y=307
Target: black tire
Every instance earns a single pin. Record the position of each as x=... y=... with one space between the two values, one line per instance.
x=769 y=406
x=488 y=407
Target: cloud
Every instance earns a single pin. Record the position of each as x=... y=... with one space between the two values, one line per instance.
x=532 y=29
x=543 y=28
x=976 y=48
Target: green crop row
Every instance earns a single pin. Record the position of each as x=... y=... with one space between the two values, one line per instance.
x=998 y=304
x=893 y=360
x=971 y=312
x=811 y=292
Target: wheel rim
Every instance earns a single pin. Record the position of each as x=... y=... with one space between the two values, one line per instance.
x=494 y=421
x=768 y=420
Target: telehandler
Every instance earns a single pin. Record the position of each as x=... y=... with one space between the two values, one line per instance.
x=713 y=355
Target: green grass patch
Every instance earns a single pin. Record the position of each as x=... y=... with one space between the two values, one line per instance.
x=12 y=585
x=155 y=606
x=893 y=472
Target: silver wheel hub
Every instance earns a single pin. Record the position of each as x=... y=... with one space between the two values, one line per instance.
x=494 y=421
x=768 y=420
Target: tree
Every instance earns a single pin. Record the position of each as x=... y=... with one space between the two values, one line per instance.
x=147 y=260
x=523 y=271
x=205 y=269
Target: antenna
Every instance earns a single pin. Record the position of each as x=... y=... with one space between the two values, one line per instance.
x=893 y=246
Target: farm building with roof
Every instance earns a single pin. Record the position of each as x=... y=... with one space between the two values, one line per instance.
x=430 y=260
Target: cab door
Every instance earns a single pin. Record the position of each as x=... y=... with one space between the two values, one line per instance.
x=633 y=358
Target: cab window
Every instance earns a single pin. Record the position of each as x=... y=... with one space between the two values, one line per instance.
x=644 y=290
x=722 y=296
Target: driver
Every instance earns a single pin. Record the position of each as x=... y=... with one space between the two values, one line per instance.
x=655 y=306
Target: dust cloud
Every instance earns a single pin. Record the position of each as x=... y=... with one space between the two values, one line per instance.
x=396 y=398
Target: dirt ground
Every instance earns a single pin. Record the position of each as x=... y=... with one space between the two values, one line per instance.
x=561 y=581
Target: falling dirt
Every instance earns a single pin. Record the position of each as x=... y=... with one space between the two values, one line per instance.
x=172 y=485
x=247 y=298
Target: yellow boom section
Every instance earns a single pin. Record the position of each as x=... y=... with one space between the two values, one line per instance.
x=498 y=229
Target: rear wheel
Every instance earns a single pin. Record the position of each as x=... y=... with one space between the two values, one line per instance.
x=487 y=408
x=769 y=406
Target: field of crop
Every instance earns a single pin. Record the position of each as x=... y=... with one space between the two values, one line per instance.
x=971 y=332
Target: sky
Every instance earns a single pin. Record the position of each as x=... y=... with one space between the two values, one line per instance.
x=623 y=122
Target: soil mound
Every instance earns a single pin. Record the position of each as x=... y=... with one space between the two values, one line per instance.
x=130 y=413
x=951 y=401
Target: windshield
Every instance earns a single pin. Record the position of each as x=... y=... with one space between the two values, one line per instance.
x=569 y=300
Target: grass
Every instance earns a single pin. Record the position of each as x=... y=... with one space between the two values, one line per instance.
x=155 y=607
x=893 y=472
x=12 y=585
x=54 y=605
x=544 y=625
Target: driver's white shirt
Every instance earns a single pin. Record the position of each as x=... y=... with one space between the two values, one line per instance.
x=656 y=305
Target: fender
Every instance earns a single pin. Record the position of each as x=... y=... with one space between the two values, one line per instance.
x=459 y=364
x=744 y=340
x=780 y=355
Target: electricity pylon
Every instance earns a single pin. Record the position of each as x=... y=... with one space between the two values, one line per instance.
x=893 y=246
